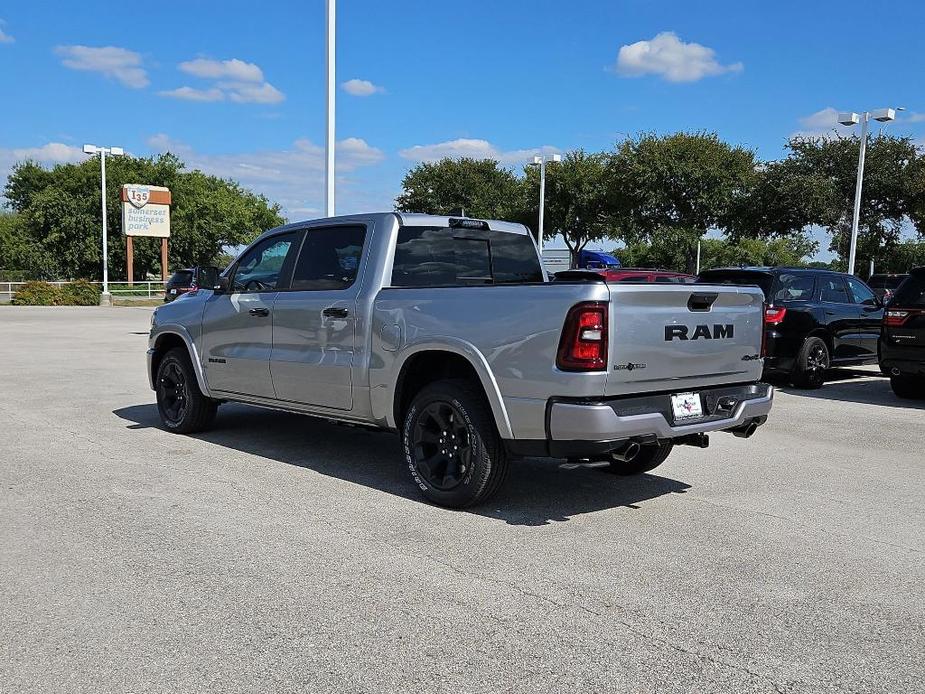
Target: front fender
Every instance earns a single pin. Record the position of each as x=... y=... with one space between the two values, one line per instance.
x=158 y=334
x=471 y=353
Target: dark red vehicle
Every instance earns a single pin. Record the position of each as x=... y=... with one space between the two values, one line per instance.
x=641 y=274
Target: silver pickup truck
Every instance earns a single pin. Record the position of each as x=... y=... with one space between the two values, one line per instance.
x=448 y=331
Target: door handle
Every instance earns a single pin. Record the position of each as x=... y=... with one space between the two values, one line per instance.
x=335 y=312
x=259 y=312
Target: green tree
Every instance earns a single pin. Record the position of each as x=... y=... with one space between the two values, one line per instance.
x=815 y=184
x=58 y=215
x=681 y=184
x=577 y=205
x=480 y=187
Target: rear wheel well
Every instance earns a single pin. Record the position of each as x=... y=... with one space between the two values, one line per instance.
x=164 y=344
x=428 y=367
x=823 y=335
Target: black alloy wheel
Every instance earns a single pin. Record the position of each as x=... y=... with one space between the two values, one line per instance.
x=173 y=392
x=442 y=446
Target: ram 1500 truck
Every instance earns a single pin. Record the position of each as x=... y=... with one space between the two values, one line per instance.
x=448 y=331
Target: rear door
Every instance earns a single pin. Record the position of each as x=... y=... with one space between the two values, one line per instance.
x=314 y=321
x=237 y=325
x=841 y=316
x=666 y=337
x=869 y=316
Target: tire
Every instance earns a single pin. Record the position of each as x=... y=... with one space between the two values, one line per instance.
x=182 y=406
x=648 y=458
x=811 y=364
x=453 y=413
x=908 y=387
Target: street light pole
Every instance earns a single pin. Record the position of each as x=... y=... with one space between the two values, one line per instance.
x=541 y=162
x=883 y=115
x=105 y=296
x=329 y=143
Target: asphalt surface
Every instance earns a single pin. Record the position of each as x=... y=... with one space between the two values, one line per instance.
x=279 y=553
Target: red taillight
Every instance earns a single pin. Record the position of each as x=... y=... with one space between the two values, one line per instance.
x=894 y=318
x=583 y=345
x=774 y=315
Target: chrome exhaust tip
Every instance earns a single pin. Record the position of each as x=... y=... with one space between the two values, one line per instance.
x=627 y=453
x=894 y=371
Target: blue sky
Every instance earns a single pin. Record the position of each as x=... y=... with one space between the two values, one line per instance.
x=236 y=88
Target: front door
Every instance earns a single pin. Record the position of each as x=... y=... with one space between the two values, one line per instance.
x=315 y=322
x=237 y=325
x=840 y=316
x=869 y=317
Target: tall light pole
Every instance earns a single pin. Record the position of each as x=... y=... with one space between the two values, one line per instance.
x=541 y=161
x=105 y=297
x=883 y=115
x=329 y=142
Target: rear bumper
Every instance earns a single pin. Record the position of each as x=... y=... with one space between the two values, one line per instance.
x=588 y=428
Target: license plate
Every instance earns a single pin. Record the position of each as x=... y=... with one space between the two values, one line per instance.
x=173 y=291
x=686 y=406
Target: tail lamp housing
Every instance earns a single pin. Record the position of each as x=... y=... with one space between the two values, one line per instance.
x=894 y=318
x=583 y=343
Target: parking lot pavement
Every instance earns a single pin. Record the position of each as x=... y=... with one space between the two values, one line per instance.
x=281 y=553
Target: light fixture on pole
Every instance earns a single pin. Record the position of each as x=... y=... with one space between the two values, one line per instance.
x=882 y=115
x=329 y=142
x=541 y=161
x=105 y=297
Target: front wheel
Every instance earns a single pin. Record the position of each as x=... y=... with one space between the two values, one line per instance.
x=182 y=406
x=451 y=446
x=649 y=457
x=811 y=365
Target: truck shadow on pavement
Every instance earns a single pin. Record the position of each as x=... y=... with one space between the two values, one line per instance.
x=866 y=387
x=537 y=492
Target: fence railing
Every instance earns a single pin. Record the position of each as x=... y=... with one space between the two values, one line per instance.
x=135 y=290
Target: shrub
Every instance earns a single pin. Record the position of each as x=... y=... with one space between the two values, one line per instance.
x=80 y=293
x=37 y=294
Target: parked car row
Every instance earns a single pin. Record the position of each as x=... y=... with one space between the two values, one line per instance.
x=816 y=319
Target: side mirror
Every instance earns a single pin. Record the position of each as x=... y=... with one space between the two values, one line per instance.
x=208 y=276
x=220 y=286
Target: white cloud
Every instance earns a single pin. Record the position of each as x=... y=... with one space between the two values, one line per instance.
x=821 y=124
x=357 y=87
x=48 y=154
x=244 y=93
x=914 y=117
x=232 y=80
x=4 y=37
x=120 y=64
x=234 y=69
x=475 y=149
x=193 y=94
x=292 y=177
x=671 y=58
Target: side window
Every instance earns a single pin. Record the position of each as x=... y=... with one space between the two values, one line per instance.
x=861 y=293
x=430 y=256
x=834 y=291
x=330 y=258
x=259 y=270
x=795 y=287
x=635 y=279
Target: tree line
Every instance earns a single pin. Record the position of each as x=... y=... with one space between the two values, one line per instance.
x=52 y=228
x=658 y=195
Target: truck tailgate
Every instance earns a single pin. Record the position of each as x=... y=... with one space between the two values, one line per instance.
x=679 y=337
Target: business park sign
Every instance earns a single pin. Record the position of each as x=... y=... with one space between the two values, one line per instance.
x=145 y=211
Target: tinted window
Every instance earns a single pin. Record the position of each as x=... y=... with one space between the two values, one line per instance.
x=911 y=292
x=762 y=279
x=885 y=281
x=635 y=278
x=329 y=259
x=794 y=287
x=181 y=278
x=259 y=268
x=860 y=293
x=440 y=256
x=834 y=290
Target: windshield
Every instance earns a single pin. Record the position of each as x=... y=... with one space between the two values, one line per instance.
x=183 y=277
x=885 y=281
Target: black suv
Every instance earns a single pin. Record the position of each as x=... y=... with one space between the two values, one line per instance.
x=885 y=286
x=814 y=319
x=189 y=280
x=902 y=340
